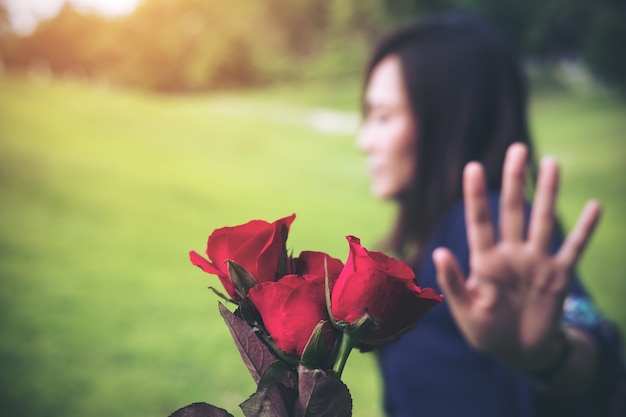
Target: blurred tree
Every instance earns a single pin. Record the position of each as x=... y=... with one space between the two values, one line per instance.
x=64 y=42
x=605 y=46
x=593 y=32
x=9 y=48
x=4 y=19
x=182 y=45
x=176 y=45
x=348 y=30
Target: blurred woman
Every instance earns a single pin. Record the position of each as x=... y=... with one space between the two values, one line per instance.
x=445 y=134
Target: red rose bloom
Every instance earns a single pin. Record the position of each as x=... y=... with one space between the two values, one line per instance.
x=312 y=263
x=375 y=284
x=258 y=246
x=291 y=308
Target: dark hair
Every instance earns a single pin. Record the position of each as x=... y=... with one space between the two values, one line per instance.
x=468 y=95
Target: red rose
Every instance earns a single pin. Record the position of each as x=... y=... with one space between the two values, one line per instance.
x=258 y=246
x=291 y=308
x=312 y=263
x=375 y=284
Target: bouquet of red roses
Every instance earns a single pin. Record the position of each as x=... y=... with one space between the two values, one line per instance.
x=298 y=318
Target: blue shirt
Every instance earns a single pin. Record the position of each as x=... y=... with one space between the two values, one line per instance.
x=432 y=372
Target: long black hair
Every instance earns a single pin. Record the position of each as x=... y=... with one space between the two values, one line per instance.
x=468 y=94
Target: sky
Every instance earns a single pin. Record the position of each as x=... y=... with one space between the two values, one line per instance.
x=24 y=14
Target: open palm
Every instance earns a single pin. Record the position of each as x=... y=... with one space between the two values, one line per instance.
x=510 y=304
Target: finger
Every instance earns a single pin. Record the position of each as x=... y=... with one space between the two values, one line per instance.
x=480 y=232
x=542 y=215
x=577 y=240
x=450 y=277
x=512 y=198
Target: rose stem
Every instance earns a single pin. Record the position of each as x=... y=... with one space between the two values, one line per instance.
x=346 y=346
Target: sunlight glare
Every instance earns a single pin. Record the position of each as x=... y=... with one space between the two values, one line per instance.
x=25 y=14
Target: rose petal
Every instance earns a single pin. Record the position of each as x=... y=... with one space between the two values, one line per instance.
x=208 y=267
x=312 y=263
x=375 y=284
x=303 y=309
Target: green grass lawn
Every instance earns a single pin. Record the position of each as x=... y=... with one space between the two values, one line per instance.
x=103 y=193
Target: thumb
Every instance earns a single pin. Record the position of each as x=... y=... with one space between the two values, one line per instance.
x=449 y=276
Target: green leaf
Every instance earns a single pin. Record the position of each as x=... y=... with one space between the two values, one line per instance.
x=241 y=278
x=222 y=295
x=267 y=338
x=316 y=352
x=285 y=257
x=249 y=313
x=362 y=326
x=327 y=294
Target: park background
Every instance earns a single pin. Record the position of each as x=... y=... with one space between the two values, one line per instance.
x=125 y=140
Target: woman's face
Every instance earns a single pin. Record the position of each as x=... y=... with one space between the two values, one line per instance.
x=387 y=135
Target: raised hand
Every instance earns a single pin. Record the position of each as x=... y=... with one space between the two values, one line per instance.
x=510 y=305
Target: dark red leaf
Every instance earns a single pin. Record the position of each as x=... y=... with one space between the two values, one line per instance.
x=322 y=395
x=278 y=372
x=254 y=353
x=201 y=410
x=272 y=400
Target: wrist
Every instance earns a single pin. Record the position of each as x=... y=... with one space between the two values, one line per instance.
x=560 y=352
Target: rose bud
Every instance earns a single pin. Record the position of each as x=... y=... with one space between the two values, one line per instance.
x=377 y=286
x=291 y=308
x=257 y=246
x=317 y=263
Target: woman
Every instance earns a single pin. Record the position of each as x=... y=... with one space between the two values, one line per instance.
x=519 y=336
